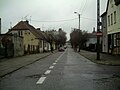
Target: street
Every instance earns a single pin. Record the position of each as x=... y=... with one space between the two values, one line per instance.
x=66 y=70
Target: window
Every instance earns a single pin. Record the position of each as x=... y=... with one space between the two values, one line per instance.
x=40 y=43
x=21 y=33
x=25 y=32
x=111 y=1
x=115 y=43
x=111 y=19
x=114 y=17
x=108 y=20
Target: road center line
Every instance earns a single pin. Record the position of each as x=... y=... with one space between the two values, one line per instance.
x=41 y=80
x=51 y=67
x=54 y=63
x=60 y=56
x=47 y=72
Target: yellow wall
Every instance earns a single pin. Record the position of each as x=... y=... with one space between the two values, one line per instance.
x=29 y=39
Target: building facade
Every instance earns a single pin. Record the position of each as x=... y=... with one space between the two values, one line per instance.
x=113 y=26
x=32 y=40
x=92 y=41
x=11 y=45
x=104 y=33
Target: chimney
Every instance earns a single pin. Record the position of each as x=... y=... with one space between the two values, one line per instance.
x=93 y=30
x=27 y=21
x=0 y=25
x=38 y=28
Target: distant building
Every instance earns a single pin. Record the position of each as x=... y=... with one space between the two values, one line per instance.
x=92 y=41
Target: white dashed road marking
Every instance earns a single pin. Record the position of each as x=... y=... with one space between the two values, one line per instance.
x=54 y=63
x=47 y=72
x=41 y=80
x=51 y=67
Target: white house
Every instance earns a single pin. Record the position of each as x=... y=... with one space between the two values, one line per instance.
x=92 y=41
x=113 y=26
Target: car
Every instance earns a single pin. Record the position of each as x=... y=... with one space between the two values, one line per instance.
x=61 y=49
x=65 y=47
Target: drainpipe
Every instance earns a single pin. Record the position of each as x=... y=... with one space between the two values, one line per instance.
x=0 y=25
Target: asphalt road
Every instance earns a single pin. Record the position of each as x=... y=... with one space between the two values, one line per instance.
x=63 y=71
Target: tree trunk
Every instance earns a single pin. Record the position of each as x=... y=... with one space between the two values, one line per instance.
x=79 y=48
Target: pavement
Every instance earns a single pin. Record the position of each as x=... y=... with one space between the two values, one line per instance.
x=105 y=59
x=9 y=65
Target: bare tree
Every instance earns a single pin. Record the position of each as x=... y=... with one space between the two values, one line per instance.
x=62 y=37
x=78 y=38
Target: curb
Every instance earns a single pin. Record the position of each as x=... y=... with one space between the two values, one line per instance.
x=1 y=76
x=100 y=61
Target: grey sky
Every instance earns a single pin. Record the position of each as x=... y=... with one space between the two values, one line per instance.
x=50 y=10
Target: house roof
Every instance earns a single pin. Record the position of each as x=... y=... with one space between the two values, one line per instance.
x=24 y=25
x=117 y=2
x=107 y=5
x=104 y=14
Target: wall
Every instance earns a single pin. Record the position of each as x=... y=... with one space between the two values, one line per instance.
x=116 y=26
x=30 y=42
x=104 y=36
x=18 y=45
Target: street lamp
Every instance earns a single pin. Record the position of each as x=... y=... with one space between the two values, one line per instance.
x=79 y=19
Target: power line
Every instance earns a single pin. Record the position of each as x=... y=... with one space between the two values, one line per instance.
x=65 y=20
x=81 y=6
x=84 y=7
x=89 y=18
x=56 y=20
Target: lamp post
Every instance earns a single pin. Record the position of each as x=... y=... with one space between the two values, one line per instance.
x=79 y=19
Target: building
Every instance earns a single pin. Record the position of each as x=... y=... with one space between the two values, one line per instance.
x=113 y=26
x=104 y=33
x=32 y=39
x=11 y=45
x=92 y=41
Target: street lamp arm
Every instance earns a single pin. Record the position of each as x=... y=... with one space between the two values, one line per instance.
x=79 y=19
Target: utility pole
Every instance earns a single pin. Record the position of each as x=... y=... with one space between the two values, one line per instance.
x=98 y=29
x=0 y=25
x=79 y=20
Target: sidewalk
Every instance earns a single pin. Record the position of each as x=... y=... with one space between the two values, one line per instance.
x=105 y=58
x=8 y=66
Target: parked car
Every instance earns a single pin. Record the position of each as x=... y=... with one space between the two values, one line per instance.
x=61 y=49
x=65 y=47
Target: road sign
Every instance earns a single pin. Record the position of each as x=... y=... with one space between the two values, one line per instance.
x=99 y=33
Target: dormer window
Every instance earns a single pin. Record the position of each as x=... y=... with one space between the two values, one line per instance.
x=117 y=2
x=20 y=33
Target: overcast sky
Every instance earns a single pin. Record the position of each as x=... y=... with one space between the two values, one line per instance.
x=50 y=14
